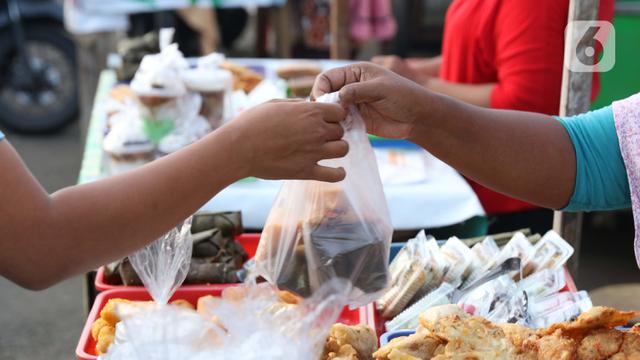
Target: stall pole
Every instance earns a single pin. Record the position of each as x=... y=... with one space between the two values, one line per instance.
x=339 y=24
x=575 y=98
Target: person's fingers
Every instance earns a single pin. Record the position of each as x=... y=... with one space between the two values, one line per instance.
x=331 y=113
x=334 y=149
x=328 y=174
x=363 y=92
x=334 y=79
x=334 y=132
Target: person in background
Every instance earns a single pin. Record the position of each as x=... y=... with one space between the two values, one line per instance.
x=47 y=238
x=501 y=54
x=581 y=163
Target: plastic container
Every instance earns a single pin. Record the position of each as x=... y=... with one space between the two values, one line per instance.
x=85 y=349
x=248 y=241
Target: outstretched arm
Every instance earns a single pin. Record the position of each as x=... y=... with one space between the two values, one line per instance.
x=526 y=155
x=44 y=239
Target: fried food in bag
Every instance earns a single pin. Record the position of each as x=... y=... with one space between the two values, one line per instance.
x=318 y=231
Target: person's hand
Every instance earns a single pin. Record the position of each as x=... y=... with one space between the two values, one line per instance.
x=400 y=67
x=428 y=67
x=389 y=104
x=286 y=139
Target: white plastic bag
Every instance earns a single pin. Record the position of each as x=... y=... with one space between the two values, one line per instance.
x=318 y=231
x=163 y=265
x=248 y=322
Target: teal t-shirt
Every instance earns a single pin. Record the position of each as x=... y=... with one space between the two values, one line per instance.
x=601 y=177
x=1 y=135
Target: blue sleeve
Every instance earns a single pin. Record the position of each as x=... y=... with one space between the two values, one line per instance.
x=601 y=178
x=1 y=135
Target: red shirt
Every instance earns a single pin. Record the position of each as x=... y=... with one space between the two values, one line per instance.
x=517 y=44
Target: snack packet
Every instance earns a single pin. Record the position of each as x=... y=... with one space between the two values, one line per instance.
x=410 y=271
x=458 y=257
x=483 y=255
x=551 y=252
x=408 y=319
x=559 y=307
x=318 y=231
x=544 y=283
x=519 y=246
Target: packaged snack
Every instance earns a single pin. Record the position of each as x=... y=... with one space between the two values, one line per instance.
x=559 y=307
x=544 y=283
x=485 y=298
x=410 y=272
x=520 y=247
x=127 y=146
x=318 y=231
x=214 y=85
x=458 y=257
x=408 y=319
x=483 y=255
x=551 y=252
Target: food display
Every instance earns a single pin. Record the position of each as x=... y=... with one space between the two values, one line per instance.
x=450 y=333
x=425 y=275
x=356 y=342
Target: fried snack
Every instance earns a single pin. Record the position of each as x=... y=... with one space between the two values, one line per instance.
x=292 y=71
x=556 y=347
x=630 y=346
x=420 y=346
x=108 y=312
x=97 y=326
x=288 y=297
x=183 y=304
x=346 y=342
x=598 y=317
x=243 y=78
x=429 y=318
x=105 y=339
x=600 y=344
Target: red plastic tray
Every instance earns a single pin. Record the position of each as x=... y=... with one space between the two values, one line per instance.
x=248 y=241
x=86 y=345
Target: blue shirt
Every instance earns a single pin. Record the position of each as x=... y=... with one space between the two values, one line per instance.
x=1 y=135
x=601 y=177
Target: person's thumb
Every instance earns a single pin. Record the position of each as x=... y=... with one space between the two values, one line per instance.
x=361 y=92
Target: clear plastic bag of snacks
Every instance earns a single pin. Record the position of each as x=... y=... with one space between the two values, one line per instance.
x=250 y=322
x=163 y=265
x=318 y=231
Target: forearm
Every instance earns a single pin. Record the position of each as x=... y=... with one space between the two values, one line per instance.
x=526 y=155
x=89 y=225
x=476 y=94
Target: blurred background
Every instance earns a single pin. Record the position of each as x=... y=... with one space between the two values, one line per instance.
x=51 y=57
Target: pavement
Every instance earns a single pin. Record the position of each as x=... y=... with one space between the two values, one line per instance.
x=47 y=324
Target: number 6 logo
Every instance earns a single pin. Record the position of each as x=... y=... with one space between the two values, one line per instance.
x=590 y=46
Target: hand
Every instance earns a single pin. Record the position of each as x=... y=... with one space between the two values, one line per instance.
x=285 y=139
x=389 y=104
x=400 y=67
x=428 y=67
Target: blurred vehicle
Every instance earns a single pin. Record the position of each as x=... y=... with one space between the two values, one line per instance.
x=38 y=86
